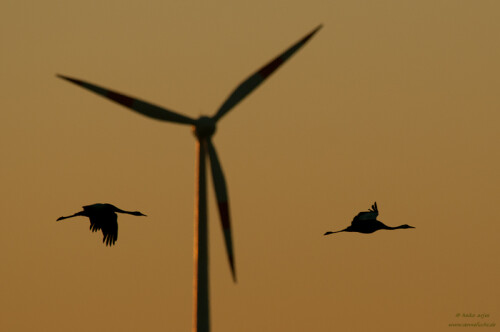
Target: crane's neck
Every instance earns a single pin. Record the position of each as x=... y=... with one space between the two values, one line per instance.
x=134 y=213
x=398 y=227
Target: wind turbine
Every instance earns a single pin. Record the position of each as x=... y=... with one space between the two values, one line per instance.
x=203 y=127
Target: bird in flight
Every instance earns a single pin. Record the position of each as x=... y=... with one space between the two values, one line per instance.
x=366 y=222
x=103 y=217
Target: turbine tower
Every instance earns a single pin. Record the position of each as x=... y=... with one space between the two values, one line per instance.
x=203 y=128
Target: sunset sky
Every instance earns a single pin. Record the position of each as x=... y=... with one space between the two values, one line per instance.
x=392 y=101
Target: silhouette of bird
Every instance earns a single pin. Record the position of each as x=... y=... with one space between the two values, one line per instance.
x=366 y=222
x=103 y=217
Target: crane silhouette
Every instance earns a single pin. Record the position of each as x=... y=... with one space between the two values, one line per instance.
x=366 y=222
x=103 y=217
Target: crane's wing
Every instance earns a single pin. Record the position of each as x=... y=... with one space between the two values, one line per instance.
x=134 y=104
x=94 y=226
x=95 y=223
x=94 y=212
x=371 y=214
x=252 y=82
x=374 y=208
x=110 y=229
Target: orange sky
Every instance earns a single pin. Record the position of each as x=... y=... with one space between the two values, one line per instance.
x=392 y=101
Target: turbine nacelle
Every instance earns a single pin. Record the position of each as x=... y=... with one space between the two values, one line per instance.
x=204 y=127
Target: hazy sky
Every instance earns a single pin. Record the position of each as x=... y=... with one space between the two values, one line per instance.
x=392 y=101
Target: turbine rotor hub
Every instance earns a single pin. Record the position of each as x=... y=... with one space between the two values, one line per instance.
x=204 y=127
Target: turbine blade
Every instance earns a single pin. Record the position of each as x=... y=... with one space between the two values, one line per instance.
x=252 y=82
x=137 y=105
x=222 y=202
